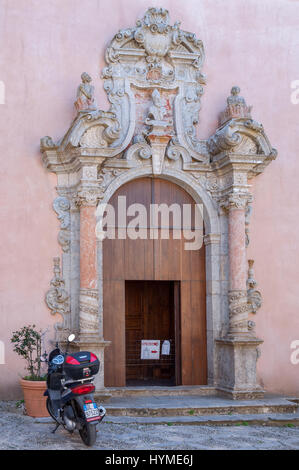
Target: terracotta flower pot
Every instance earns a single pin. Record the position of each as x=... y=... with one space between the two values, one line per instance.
x=35 y=401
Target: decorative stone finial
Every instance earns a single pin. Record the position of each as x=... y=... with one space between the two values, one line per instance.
x=236 y=107
x=85 y=95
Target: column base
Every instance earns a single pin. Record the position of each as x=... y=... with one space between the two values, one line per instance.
x=237 y=357
x=96 y=345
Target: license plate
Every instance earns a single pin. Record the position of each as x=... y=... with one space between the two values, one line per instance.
x=91 y=411
x=86 y=372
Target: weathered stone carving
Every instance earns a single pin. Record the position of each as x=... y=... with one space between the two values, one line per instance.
x=85 y=95
x=254 y=296
x=207 y=180
x=175 y=151
x=88 y=196
x=225 y=138
x=156 y=114
x=46 y=143
x=61 y=206
x=236 y=107
x=234 y=201
x=89 y=315
x=190 y=111
x=57 y=297
x=238 y=132
x=238 y=312
x=107 y=175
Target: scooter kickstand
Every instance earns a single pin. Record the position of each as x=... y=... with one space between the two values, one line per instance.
x=54 y=430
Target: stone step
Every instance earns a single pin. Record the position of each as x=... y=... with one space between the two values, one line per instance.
x=198 y=390
x=165 y=406
x=271 y=419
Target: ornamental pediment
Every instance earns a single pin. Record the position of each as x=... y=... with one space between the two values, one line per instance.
x=154 y=83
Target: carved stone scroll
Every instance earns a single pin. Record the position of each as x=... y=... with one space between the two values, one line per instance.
x=57 y=298
x=61 y=206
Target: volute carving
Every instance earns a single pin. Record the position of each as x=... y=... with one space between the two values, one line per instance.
x=61 y=206
x=57 y=298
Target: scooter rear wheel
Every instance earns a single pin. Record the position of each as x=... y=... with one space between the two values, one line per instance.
x=88 y=434
x=50 y=409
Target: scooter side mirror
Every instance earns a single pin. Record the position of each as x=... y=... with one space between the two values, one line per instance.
x=71 y=338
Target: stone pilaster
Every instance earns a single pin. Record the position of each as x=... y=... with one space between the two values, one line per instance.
x=88 y=315
x=237 y=351
x=90 y=335
x=238 y=308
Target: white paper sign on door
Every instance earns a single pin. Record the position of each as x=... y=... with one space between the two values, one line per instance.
x=165 y=348
x=150 y=349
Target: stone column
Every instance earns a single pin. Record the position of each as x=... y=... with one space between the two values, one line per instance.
x=88 y=316
x=91 y=335
x=238 y=307
x=238 y=350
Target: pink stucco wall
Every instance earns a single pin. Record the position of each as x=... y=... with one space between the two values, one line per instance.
x=44 y=48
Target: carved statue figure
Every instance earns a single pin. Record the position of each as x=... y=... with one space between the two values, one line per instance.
x=157 y=110
x=85 y=95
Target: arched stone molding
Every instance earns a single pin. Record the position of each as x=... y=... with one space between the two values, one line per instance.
x=154 y=83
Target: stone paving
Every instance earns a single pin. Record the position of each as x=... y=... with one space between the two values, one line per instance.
x=22 y=432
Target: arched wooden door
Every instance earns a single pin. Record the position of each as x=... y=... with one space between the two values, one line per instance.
x=154 y=289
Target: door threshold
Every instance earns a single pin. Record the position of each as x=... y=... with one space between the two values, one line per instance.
x=156 y=390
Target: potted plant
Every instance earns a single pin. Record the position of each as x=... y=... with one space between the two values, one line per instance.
x=27 y=344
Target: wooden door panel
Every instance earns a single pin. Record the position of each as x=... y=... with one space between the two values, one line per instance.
x=167 y=259
x=139 y=259
x=113 y=260
x=159 y=260
x=193 y=333
x=149 y=315
x=114 y=327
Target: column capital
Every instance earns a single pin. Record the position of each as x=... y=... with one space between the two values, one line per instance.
x=87 y=197
x=233 y=201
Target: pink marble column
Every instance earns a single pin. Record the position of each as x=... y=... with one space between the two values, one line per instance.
x=88 y=248
x=237 y=249
x=238 y=307
x=88 y=315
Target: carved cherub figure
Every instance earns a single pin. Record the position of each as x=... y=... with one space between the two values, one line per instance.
x=85 y=95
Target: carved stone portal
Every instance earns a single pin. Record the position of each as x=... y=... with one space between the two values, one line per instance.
x=154 y=83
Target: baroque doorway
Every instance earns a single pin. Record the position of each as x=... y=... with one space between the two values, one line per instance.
x=154 y=289
x=154 y=82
